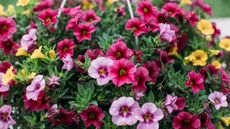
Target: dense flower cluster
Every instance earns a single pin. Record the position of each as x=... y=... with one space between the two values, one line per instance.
x=144 y=64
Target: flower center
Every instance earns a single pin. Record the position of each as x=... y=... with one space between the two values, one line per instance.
x=145 y=10
x=84 y=32
x=48 y=19
x=216 y=101
x=101 y=71
x=134 y=28
x=198 y=57
x=185 y=122
x=125 y=111
x=4 y=27
x=148 y=117
x=8 y=44
x=90 y=19
x=92 y=115
x=118 y=54
x=4 y=116
x=37 y=86
x=122 y=72
x=65 y=49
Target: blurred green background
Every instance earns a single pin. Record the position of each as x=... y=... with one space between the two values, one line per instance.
x=221 y=8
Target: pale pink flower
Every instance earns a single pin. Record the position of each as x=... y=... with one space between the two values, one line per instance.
x=29 y=40
x=170 y=103
x=68 y=63
x=218 y=99
x=6 y=119
x=54 y=80
x=166 y=33
x=3 y=87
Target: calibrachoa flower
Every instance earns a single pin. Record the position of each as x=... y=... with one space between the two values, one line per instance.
x=206 y=121
x=192 y=18
x=65 y=47
x=205 y=27
x=181 y=103
x=166 y=33
x=149 y=115
x=100 y=69
x=171 y=9
x=137 y=26
x=54 y=80
x=218 y=99
x=91 y=17
x=119 y=50
x=198 y=58
x=34 y=89
x=122 y=72
x=28 y=41
x=146 y=10
x=62 y=117
x=72 y=23
x=6 y=119
x=37 y=53
x=170 y=103
x=185 y=120
x=7 y=28
x=68 y=63
x=3 y=87
x=93 y=54
x=154 y=68
x=83 y=31
x=195 y=81
x=48 y=17
x=93 y=115
x=123 y=111
x=225 y=44
x=9 y=47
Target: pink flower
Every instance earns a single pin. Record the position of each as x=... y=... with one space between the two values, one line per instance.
x=7 y=28
x=54 y=80
x=99 y=69
x=119 y=50
x=72 y=23
x=146 y=11
x=149 y=115
x=68 y=63
x=203 y=6
x=122 y=111
x=170 y=103
x=28 y=41
x=34 y=89
x=137 y=26
x=4 y=88
x=6 y=119
x=73 y=12
x=218 y=99
x=195 y=81
x=185 y=120
x=43 y=4
x=9 y=47
x=166 y=33
x=181 y=103
x=171 y=9
x=91 y=17
x=206 y=121
x=141 y=76
x=192 y=18
x=121 y=11
x=154 y=68
x=65 y=48
x=83 y=31
x=122 y=72
x=48 y=17
x=93 y=54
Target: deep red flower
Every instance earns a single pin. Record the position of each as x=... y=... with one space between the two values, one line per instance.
x=185 y=120
x=41 y=104
x=83 y=31
x=44 y=4
x=121 y=11
x=9 y=47
x=91 y=17
x=119 y=50
x=165 y=57
x=182 y=41
x=78 y=66
x=93 y=54
x=206 y=121
x=122 y=72
x=65 y=47
x=208 y=69
x=7 y=28
x=93 y=115
x=192 y=18
x=62 y=117
x=141 y=76
x=171 y=9
x=48 y=17
x=154 y=68
x=137 y=55
x=146 y=11
x=181 y=103
x=225 y=81
x=137 y=26
x=195 y=81
x=216 y=30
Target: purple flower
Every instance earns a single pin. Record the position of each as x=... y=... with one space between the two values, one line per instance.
x=54 y=80
x=166 y=34
x=68 y=63
x=52 y=111
x=218 y=99
x=28 y=41
x=99 y=69
x=149 y=115
x=170 y=103
x=122 y=111
x=36 y=86
x=5 y=117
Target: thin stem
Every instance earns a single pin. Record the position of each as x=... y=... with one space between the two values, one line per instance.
x=59 y=12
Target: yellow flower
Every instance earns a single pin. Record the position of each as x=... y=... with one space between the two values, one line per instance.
x=27 y=77
x=23 y=2
x=2 y=13
x=205 y=27
x=21 y=52
x=37 y=53
x=185 y=2
x=87 y=5
x=52 y=54
x=217 y=64
x=27 y=12
x=226 y=120
x=174 y=51
x=111 y=1
x=225 y=44
x=8 y=76
x=213 y=52
x=10 y=10
x=198 y=58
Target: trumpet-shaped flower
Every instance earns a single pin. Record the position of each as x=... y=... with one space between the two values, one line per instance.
x=8 y=76
x=198 y=58
x=218 y=99
x=37 y=53
x=225 y=44
x=9 y=47
x=137 y=26
x=166 y=33
x=6 y=119
x=7 y=28
x=170 y=103
x=195 y=81
x=48 y=17
x=65 y=47
x=21 y=52
x=28 y=41
x=83 y=31
x=205 y=27
x=146 y=10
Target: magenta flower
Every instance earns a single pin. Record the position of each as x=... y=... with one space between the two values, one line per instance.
x=93 y=54
x=119 y=50
x=218 y=99
x=73 y=12
x=185 y=120
x=171 y=9
x=170 y=103
x=83 y=31
x=166 y=33
x=122 y=111
x=9 y=47
x=146 y=10
x=122 y=72
x=54 y=80
x=34 y=89
x=6 y=119
x=48 y=17
x=149 y=115
x=192 y=18
x=154 y=68
x=137 y=26
x=68 y=63
x=72 y=23
x=28 y=41
x=65 y=47
x=91 y=17
x=7 y=28
x=99 y=69
x=181 y=103
x=195 y=81
x=44 y=4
